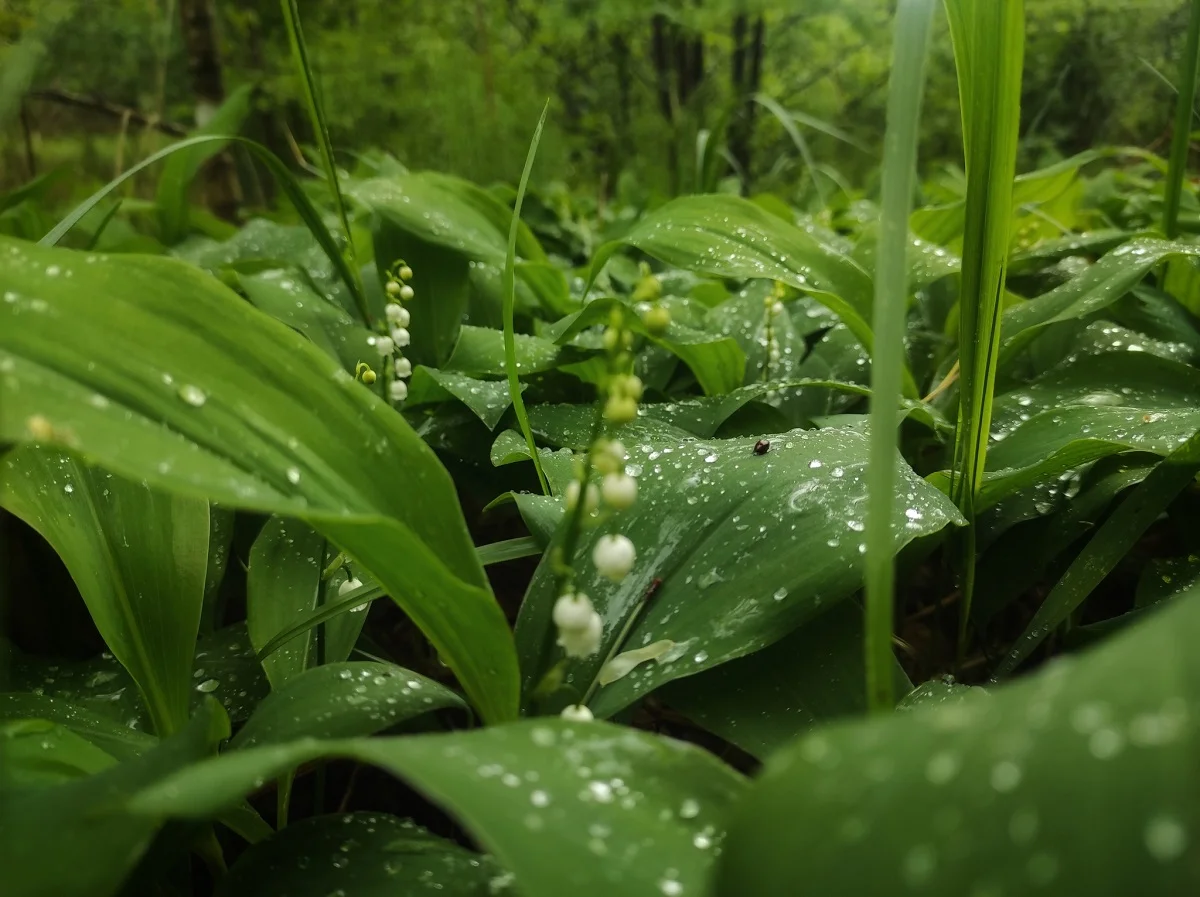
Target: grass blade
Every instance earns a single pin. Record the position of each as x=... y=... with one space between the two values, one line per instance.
x=1189 y=68
x=510 y=295
x=989 y=47
x=283 y=177
x=291 y=16
x=914 y=21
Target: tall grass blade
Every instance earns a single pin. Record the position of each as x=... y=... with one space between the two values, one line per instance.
x=1189 y=69
x=287 y=183
x=789 y=125
x=291 y=16
x=510 y=295
x=914 y=21
x=989 y=48
x=1115 y=538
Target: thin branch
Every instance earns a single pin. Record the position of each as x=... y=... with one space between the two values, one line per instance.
x=98 y=104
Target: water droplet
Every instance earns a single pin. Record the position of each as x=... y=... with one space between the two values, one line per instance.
x=539 y=799
x=193 y=395
x=780 y=594
x=208 y=685
x=689 y=809
x=293 y=475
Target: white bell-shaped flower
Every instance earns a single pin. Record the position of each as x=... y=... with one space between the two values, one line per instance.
x=400 y=337
x=403 y=367
x=349 y=586
x=383 y=345
x=619 y=490
x=398 y=390
x=397 y=315
x=577 y=713
x=614 y=556
x=573 y=611
x=582 y=642
x=591 y=503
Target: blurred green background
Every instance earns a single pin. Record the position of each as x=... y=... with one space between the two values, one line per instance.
x=634 y=86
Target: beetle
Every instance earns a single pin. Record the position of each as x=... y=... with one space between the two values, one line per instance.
x=762 y=447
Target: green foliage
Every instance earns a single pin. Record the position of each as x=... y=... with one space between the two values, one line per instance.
x=714 y=451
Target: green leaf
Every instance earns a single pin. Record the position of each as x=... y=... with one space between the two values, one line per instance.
x=39 y=754
x=1112 y=541
x=546 y=797
x=989 y=48
x=342 y=700
x=480 y=351
x=113 y=738
x=138 y=556
x=487 y=399
x=1095 y=288
x=286 y=298
x=910 y=47
x=75 y=839
x=717 y=362
x=1074 y=781
x=196 y=391
x=172 y=197
x=284 y=584
x=725 y=236
x=360 y=855
x=761 y=702
x=704 y=508
x=225 y=668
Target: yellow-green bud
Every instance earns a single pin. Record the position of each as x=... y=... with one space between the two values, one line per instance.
x=657 y=319
x=405 y=272
x=393 y=288
x=612 y=338
x=620 y=409
x=368 y=377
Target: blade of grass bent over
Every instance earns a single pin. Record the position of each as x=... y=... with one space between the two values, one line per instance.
x=914 y=20
x=989 y=47
x=510 y=289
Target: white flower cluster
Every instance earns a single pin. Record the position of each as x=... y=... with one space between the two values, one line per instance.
x=398 y=291
x=774 y=308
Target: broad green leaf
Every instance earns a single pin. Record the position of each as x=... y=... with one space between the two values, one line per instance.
x=761 y=702
x=1095 y=288
x=1088 y=243
x=549 y=799
x=113 y=738
x=139 y=557
x=360 y=855
x=480 y=351
x=718 y=363
x=1078 y=780
x=342 y=700
x=285 y=297
x=224 y=667
x=1112 y=541
x=726 y=236
x=181 y=168
x=75 y=839
x=37 y=753
x=487 y=399
x=196 y=391
x=722 y=526
x=283 y=584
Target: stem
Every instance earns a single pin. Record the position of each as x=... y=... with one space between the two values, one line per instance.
x=1189 y=67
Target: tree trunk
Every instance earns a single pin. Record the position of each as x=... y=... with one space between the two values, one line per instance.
x=746 y=77
x=204 y=66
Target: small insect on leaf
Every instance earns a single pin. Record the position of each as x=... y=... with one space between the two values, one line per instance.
x=762 y=446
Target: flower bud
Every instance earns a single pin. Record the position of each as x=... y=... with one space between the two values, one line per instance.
x=401 y=337
x=403 y=367
x=383 y=345
x=619 y=490
x=349 y=586
x=612 y=338
x=573 y=611
x=591 y=503
x=405 y=272
x=577 y=713
x=777 y=308
x=368 y=376
x=620 y=409
x=609 y=457
x=398 y=390
x=614 y=556
x=397 y=315
x=582 y=642
x=393 y=288
x=657 y=319
x=406 y=293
